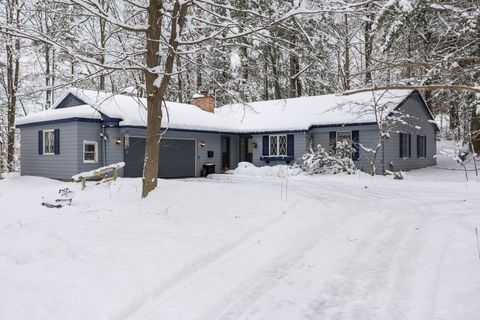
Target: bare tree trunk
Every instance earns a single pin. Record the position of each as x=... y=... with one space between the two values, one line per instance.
x=199 y=71
x=101 y=58
x=48 y=92
x=13 y=66
x=295 y=85
x=346 y=65
x=368 y=47
x=180 y=83
x=276 y=76
x=265 y=77
x=52 y=76
x=156 y=93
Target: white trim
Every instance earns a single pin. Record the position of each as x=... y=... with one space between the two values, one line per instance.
x=44 y=144
x=85 y=142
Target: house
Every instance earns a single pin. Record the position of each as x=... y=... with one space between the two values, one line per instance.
x=85 y=130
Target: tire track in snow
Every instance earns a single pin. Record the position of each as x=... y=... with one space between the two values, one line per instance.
x=278 y=269
x=372 y=280
x=187 y=271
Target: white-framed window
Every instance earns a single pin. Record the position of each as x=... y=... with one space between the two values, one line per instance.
x=90 y=151
x=48 y=141
x=278 y=145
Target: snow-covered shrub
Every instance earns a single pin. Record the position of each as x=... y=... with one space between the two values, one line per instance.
x=323 y=161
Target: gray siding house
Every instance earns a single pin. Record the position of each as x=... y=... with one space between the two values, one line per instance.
x=86 y=130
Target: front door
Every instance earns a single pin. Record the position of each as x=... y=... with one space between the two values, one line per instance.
x=246 y=149
x=225 y=153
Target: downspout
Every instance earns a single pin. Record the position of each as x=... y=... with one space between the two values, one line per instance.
x=104 y=146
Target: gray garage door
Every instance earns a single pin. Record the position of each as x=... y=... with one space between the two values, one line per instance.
x=177 y=158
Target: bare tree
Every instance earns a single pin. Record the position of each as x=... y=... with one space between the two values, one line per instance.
x=382 y=107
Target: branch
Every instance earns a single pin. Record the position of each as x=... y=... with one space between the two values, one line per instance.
x=451 y=87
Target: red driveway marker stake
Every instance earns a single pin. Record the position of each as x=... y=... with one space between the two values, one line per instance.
x=286 y=189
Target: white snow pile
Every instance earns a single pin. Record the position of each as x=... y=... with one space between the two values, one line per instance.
x=250 y=170
x=83 y=112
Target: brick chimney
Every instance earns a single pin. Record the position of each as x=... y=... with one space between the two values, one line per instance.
x=204 y=101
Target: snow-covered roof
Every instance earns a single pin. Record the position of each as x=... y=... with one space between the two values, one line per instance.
x=82 y=112
x=305 y=112
x=267 y=116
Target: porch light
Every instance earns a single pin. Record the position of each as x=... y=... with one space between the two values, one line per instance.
x=254 y=144
x=203 y=144
x=118 y=140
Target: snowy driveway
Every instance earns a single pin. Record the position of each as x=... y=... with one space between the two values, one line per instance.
x=341 y=247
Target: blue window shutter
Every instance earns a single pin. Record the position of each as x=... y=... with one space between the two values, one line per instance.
x=409 y=145
x=333 y=140
x=425 y=146
x=265 y=151
x=56 y=143
x=40 y=142
x=401 y=144
x=419 y=142
x=356 y=145
x=290 y=145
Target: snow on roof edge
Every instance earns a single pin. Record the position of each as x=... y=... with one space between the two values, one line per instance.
x=222 y=121
x=83 y=111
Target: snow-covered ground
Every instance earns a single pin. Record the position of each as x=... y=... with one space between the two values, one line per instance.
x=339 y=247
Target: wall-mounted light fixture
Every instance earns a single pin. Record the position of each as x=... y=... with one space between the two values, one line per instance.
x=203 y=144
x=254 y=144
x=118 y=140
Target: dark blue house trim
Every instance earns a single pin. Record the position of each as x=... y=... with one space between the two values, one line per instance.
x=342 y=125
x=42 y=123
x=70 y=100
x=267 y=159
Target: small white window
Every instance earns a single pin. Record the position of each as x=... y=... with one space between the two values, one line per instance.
x=278 y=145
x=90 y=151
x=48 y=141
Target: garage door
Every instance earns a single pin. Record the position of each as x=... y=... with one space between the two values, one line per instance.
x=177 y=158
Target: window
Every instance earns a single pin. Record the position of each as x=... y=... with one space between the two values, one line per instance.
x=278 y=145
x=90 y=152
x=405 y=139
x=48 y=141
x=421 y=146
x=342 y=136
